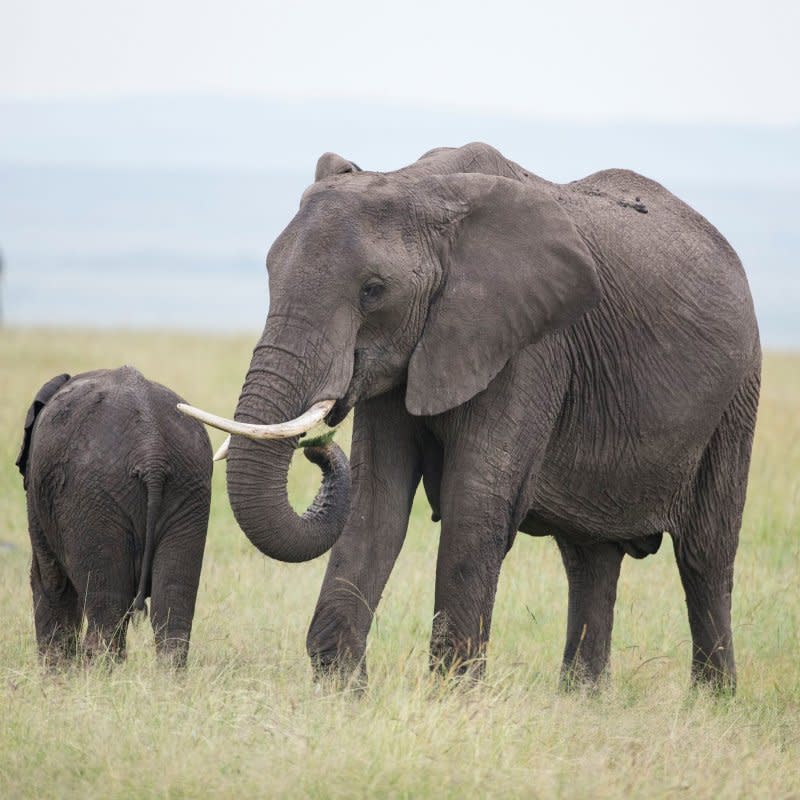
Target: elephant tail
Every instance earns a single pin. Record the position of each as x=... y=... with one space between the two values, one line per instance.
x=154 y=487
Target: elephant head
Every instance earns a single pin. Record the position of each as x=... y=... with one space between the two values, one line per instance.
x=429 y=280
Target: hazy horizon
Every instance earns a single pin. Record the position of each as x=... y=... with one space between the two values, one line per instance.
x=151 y=152
x=158 y=212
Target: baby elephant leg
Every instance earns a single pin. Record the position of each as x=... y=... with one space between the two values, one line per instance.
x=105 y=581
x=56 y=611
x=176 y=576
x=592 y=573
x=107 y=624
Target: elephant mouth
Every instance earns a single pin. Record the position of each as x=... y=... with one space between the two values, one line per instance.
x=344 y=405
x=341 y=408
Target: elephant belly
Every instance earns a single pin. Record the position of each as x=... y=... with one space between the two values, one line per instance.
x=636 y=546
x=616 y=494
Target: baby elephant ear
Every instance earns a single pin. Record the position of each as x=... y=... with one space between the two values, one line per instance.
x=514 y=268
x=39 y=402
x=330 y=164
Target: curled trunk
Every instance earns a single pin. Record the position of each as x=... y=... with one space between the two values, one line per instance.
x=276 y=390
x=257 y=487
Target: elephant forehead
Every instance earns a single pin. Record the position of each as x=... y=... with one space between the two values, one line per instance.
x=357 y=197
x=340 y=228
x=351 y=183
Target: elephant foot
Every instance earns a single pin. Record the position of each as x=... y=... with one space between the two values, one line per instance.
x=59 y=651
x=581 y=677
x=454 y=655
x=102 y=656
x=173 y=651
x=339 y=672
x=106 y=647
x=718 y=678
x=337 y=652
x=461 y=669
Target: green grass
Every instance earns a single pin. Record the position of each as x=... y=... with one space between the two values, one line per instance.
x=247 y=721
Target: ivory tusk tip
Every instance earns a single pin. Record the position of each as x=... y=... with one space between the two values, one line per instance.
x=280 y=430
x=185 y=408
x=222 y=453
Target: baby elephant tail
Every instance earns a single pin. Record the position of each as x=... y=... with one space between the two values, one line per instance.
x=154 y=486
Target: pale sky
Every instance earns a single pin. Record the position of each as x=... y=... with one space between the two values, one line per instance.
x=666 y=60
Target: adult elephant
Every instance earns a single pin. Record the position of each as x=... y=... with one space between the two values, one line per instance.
x=578 y=360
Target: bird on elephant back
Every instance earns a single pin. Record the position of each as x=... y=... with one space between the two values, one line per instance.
x=577 y=360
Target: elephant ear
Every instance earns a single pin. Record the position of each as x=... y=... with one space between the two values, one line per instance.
x=39 y=402
x=514 y=268
x=330 y=164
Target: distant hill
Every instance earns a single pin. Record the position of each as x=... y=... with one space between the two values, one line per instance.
x=159 y=211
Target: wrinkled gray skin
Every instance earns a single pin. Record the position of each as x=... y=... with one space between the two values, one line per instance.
x=118 y=487
x=577 y=360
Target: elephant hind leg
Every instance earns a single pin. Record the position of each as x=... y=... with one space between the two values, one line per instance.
x=107 y=599
x=56 y=611
x=592 y=573
x=706 y=541
x=175 y=579
x=100 y=566
x=171 y=613
x=106 y=634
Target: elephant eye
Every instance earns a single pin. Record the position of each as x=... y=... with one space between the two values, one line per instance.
x=371 y=293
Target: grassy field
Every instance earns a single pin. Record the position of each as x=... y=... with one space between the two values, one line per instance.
x=246 y=720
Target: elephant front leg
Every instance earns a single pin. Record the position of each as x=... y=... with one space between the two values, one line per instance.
x=592 y=573
x=476 y=535
x=385 y=462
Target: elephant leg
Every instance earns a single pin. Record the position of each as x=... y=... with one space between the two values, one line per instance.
x=177 y=563
x=107 y=623
x=56 y=611
x=476 y=535
x=592 y=573
x=99 y=564
x=706 y=541
x=385 y=463
x=492 y=461
x=107 y=597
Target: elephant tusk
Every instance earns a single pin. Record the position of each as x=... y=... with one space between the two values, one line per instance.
x=280 y=430
x=222 y=453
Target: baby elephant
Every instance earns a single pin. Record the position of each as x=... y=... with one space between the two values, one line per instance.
x=119 y=488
